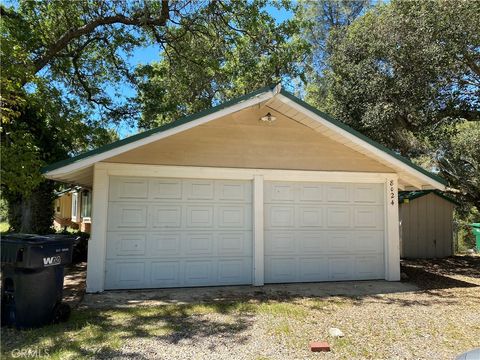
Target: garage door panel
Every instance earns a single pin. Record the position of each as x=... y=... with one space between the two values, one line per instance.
x=279 y=216
x=341 y=267
x=339 y=217
x=368 y=241
x=238 y=216
x=311 y=192
x=234 y=244
x=368 y=267
x=280 y=269
x=199 y=216
x=232 y=191
x=127 y=216
x=282 y=191
x=368 y=193
x=199 y=272
x=199 y=189
x=368 y=217
x=167 y=216
x=125 y=274
x=201 y=244
x=128 y=189
x=166 y=189
x=313 y=269
x=234 y=271
x=163 y=244
x=337 y=192
x=339 y=241
x=126 y=244
x=312 y=242
x=278 y=243
x=165 y=273
x=323 y=231
x=310 y=216
x=184 y=232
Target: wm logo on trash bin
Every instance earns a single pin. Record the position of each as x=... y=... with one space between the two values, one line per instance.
x=52 y=260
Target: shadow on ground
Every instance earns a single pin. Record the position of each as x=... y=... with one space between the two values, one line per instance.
x=102 y=323
x=452 y=272
x=74 y=283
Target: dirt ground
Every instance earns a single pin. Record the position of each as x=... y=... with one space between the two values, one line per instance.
x=433 y=314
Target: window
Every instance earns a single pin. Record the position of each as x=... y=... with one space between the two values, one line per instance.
x=86 y=204
x=74 y=206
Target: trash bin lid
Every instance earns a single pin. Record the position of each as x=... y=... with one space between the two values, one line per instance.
x=33 y=239
x=475 y=225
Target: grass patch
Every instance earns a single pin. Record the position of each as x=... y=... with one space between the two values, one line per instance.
x=284 y=309
x=282 y=329
x=328 y=305
x=101 y=333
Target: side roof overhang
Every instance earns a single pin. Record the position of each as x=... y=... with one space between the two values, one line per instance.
x=412 y=195
x=79 y=169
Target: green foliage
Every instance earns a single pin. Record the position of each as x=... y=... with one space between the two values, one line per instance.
x=65 y=66
x=465 y=239
x=32 y=213
x=46 y=129
x=317 y=19
x=403 y=67
x=4 y=227
x=3 y=209
x=83 y=47
x=203 y=70
x=459 y=160
x=21 y=162
x=405 y=73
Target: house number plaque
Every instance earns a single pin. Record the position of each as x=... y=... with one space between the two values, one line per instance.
x=392 y=192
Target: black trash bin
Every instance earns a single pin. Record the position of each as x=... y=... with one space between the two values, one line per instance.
x=32 y=279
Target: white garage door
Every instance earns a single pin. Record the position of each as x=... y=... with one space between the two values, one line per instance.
x=178 y=232
x=323 y=232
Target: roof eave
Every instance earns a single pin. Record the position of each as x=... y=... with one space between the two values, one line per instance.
x=406 y=165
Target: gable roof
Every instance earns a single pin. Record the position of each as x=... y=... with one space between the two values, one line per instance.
x=412 y=195
x=160 y=129
x=272 y=93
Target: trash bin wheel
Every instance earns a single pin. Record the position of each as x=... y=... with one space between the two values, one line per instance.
x=61 y=313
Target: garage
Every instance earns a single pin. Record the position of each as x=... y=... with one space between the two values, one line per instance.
x=260 y=189
x=323 y=232
x=178 y=233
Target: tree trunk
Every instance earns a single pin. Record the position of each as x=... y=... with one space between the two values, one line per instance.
x=34 y=213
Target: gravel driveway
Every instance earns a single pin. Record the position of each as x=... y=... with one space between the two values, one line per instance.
x=435 y=314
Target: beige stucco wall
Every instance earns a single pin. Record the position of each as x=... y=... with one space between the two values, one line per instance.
x=241 y=141
x=426 y=227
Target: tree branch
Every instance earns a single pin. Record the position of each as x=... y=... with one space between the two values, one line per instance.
x=138 y=19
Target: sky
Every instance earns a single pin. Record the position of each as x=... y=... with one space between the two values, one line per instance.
x=146 y=55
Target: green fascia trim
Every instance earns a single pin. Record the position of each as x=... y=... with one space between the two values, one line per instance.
x=412 y=195
x=363 y=137
x=133 y=138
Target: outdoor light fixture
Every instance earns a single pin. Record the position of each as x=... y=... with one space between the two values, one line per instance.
x=269 y=118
